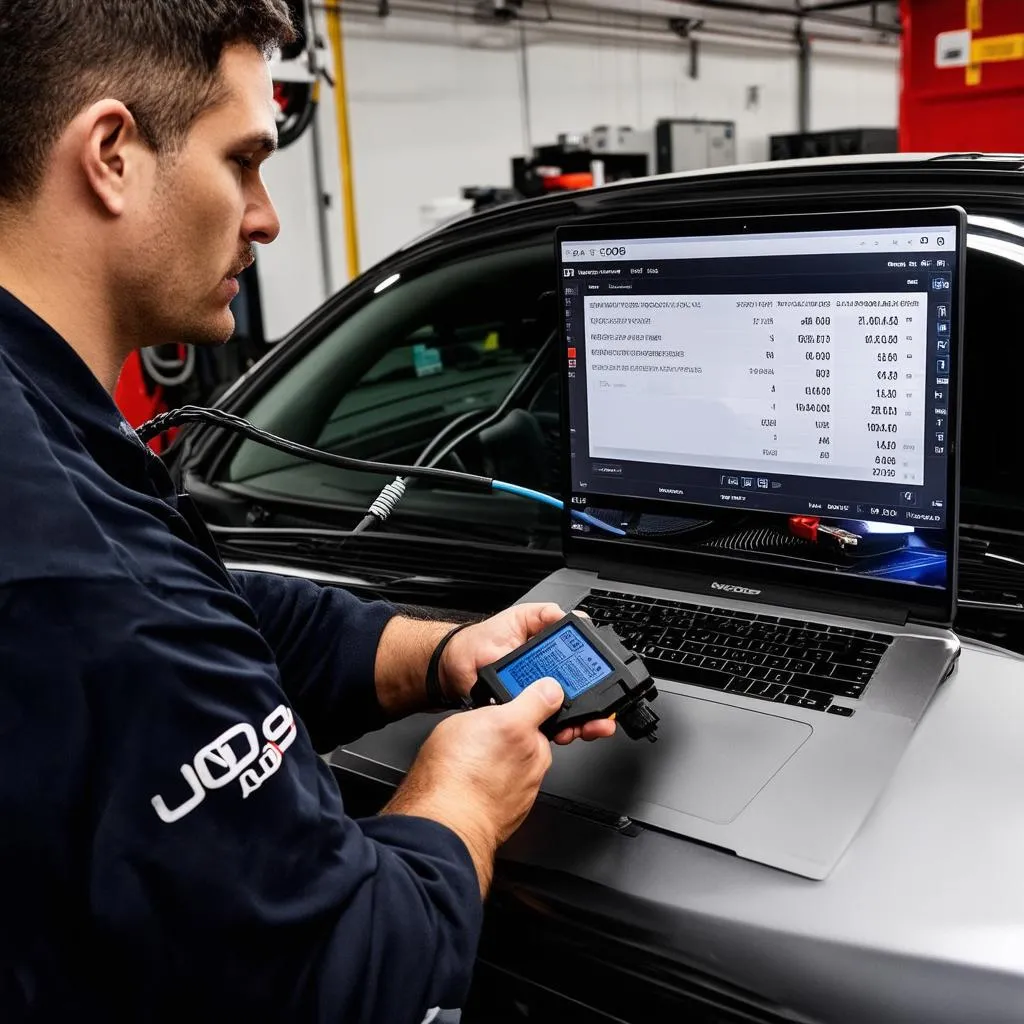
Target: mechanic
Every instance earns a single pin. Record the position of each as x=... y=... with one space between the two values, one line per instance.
x=172 y=844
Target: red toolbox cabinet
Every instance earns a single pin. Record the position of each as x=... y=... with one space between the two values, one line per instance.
x=962 y=76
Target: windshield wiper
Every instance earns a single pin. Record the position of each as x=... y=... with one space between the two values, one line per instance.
x=324 y=542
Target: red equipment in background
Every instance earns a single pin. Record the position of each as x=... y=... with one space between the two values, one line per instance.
x=962 y=76
x=140 y=398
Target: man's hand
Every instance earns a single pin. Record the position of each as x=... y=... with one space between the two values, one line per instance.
x=487 y=641
x=478 y=773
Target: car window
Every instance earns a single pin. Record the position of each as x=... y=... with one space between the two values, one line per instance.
x=434 y=347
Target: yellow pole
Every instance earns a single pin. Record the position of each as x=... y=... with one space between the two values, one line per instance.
x=348 y=195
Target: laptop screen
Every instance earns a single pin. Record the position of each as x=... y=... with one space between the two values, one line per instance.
x=780 y=397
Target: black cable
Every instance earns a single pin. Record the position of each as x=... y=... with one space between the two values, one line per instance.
x=192 y=413
x=427 y=457
x=220 y=418
x=446 y=441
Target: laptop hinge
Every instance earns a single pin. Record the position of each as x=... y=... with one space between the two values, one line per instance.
x=728 y=585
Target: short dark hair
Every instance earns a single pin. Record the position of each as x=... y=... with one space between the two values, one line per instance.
x=159 y=57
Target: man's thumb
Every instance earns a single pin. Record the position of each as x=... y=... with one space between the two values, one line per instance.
x=540 y=700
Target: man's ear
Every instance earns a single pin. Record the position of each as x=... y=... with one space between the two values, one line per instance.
x=109 y=153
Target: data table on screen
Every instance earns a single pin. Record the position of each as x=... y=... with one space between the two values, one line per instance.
x=833 y=385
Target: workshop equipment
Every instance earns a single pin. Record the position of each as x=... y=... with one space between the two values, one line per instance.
x=962 y=76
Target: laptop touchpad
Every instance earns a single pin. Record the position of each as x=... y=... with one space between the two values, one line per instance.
x=710 y=761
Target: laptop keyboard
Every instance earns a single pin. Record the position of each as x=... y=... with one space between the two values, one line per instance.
x=787 y=661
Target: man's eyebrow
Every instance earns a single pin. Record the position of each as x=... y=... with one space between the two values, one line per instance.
x=266 y=141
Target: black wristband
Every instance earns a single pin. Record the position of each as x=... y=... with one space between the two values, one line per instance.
x=435 y=694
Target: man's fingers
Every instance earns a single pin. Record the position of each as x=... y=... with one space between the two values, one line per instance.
x=537 y=616
x=551 y=612
x=539 y=701
x=599 y=729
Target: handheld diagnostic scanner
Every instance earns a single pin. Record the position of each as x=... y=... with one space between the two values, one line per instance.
x=600 y=677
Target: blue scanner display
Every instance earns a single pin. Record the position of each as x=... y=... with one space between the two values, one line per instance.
x=565 y=656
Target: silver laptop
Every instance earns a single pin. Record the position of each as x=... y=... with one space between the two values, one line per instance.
x=761 y=492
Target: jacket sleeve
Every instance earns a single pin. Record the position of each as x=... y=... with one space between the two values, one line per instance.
x=224 y=878
x=325 y=643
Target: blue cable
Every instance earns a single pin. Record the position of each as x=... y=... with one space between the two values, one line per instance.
x=593 y=521
x=546 y=499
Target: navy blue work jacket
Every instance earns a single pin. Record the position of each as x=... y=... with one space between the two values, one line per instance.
x=172 y=846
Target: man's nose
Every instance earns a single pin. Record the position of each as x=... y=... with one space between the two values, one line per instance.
x=261 y=223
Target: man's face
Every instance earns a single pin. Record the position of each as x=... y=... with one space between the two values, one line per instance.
x=192 y=230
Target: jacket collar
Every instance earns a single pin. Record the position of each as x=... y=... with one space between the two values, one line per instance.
x=69 y=390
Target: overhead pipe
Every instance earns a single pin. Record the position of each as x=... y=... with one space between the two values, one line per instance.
x=656 y=32
x=725 y=30
x=835 y=5
x=692 y=7
x=820 y=13
x=590 y=33
x=580 y=31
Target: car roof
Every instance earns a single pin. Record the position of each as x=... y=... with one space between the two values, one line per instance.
x=826 y=162
x=766 y=168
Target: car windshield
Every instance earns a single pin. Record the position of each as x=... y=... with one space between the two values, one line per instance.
x=424 y=351
x=432 y=349
x=446 y=343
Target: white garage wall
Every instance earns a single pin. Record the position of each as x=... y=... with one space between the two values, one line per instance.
x=429 y=113
x=615 y=85
x=847 y=92
x=437 y=105
x=429 y=118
